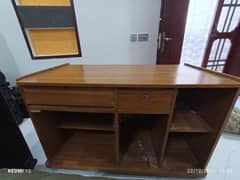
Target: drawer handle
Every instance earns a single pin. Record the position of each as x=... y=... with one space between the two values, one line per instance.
x=146 y=97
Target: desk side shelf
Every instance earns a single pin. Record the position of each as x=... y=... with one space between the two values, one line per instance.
x=186 y=120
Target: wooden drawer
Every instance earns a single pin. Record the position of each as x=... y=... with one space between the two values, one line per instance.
x=69 y=96
x=145 y=101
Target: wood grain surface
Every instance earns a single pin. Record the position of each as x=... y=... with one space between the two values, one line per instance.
x=129 y=76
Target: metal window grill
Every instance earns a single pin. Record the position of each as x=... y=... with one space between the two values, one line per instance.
x=220 y=41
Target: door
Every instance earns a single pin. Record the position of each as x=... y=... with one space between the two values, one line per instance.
x=223 y=47
x=171 y=31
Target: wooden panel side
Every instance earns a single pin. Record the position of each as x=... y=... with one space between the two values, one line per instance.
x=42 y=71
x=117 y=138
x=45 y=124
x=166 y=129
x=214 y=72
x=159 y=138
x=49 y=135
x=215 y=107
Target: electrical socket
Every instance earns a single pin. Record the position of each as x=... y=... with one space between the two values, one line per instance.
x=143 y=37
x=133 y=37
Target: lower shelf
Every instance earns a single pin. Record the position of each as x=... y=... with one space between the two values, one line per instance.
x=178 y=154
x=86 y=121
x=96 y=152
x=87 y=148
x=100 y=125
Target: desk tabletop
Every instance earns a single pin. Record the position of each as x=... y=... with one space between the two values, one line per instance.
x=168 y=76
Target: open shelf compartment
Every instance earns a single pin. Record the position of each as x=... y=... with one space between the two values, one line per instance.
x=178 y=154
x=186 y=119
x=87 y=121
x=86 y=148
x=142 y=139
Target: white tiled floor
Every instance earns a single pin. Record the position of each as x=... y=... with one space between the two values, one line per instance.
x=224 y=164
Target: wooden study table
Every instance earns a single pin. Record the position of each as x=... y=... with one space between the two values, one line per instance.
x=145 y=119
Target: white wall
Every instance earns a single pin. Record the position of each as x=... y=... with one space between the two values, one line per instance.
x=7 y=62
x=104 y=29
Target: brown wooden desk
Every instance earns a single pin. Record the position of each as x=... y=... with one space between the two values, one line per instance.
x=146 y=119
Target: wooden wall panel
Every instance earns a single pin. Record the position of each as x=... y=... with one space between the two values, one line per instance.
x=45 y=2
x=53 y=37
x=47 y=42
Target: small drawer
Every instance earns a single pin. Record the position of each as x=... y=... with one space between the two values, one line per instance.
x=69 y=96
x=145 y=101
